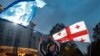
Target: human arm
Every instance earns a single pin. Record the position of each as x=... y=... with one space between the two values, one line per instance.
x=40 y=48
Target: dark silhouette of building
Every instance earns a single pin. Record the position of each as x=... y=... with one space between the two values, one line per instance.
x=17 y=38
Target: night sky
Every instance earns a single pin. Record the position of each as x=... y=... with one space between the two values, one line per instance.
x=65 y=11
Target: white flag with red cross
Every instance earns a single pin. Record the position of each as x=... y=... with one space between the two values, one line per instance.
x=75 y=32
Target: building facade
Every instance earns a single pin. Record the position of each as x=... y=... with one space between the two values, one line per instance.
x=18 y=39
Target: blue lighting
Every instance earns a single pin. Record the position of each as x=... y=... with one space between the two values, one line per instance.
x=20 y=12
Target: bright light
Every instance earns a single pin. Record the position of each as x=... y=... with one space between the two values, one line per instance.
x=21 y=54
x=40 y=3
x=20 y=13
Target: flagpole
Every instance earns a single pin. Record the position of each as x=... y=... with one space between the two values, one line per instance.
x=16 y=43
x=90 y=50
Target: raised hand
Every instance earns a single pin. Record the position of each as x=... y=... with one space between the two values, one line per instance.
x=41 y=39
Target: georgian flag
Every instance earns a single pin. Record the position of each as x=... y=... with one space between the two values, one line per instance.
x=75 y=32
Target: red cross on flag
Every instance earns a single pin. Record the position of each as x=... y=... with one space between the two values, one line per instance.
x=75 y=32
